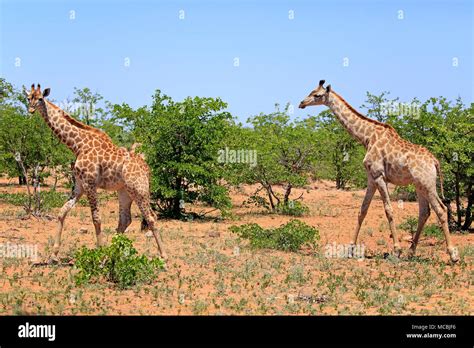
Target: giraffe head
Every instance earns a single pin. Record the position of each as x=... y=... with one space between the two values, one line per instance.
x=318 y=96
x=35 y=97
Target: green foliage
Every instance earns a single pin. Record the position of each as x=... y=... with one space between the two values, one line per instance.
x=180 y=141
x=405 y=193
x=433 y=230
x=447 y=130
x=285 y=150
x=410 y=225
x=293 y=208
x=49 y=199
x=341 y=156
x=288 y=237
x=29 y=137
x=118 y=263
x=91 y=109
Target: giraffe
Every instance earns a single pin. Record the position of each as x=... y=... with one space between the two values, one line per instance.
x=389 y=159
x=99 y=164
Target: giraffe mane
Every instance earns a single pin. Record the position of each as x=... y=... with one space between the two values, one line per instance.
x=79 y=124
x=349 y=106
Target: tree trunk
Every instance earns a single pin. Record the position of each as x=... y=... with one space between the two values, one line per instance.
x=270 y=197
x=21 y=180
x=286 y=197
x=25 y=175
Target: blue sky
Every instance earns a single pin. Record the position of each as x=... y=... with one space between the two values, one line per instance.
x=280 y=59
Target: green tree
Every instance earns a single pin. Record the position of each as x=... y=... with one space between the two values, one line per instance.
x=341 y=155
x=28 y=148
x=180 y=141
x=285 y=153
x=447 y=130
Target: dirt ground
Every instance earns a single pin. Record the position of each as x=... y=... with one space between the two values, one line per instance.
x=211 y=271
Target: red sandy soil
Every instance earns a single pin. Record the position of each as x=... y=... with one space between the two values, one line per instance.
x=204 y=275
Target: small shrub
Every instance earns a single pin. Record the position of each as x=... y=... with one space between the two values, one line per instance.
x=433 y=231
x=49 y=199
x=409 y=225
x=288 y=237
x=118 y=263
x=406 y=193
x=293 y=208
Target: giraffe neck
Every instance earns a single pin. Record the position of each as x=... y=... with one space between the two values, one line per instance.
x=58 y=120
x=359 y=126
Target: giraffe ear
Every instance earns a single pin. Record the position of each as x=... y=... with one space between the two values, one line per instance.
x=321 y=82
x=328 y=88
x=46 y=92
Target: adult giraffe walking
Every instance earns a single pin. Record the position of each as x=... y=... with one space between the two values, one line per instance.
x=99 y=164
x=389 y=159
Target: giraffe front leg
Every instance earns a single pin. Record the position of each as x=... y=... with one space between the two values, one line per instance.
x=78 y=191
x=369 y=194
x=383 y=189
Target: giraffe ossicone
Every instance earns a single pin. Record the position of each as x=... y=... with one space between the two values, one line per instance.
x=99 y=164
x=389 y=159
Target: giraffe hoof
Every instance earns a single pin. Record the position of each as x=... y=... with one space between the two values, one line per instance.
x=53 y=260
x=454 y=254
x=397 y=252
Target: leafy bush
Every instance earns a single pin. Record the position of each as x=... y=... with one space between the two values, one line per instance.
x=118 y=263
x=49 y=199
x=293 y=208
x=433 y=230
x=406 y=193
x=288 y=237
x=180 y=141
x=410 y=225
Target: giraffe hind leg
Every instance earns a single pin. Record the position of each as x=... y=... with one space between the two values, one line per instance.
x=142 y=198
x=383 y=189
x=125 y=215
x=441 y=211
x=78 y=191
x=423 y=215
